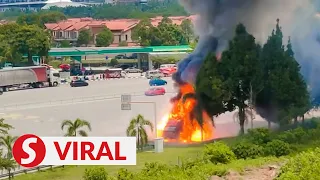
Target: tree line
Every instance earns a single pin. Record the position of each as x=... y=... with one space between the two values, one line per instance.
x=28 y=36
x=109 y=11
x=249 y=76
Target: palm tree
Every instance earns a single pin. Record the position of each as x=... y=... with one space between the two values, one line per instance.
x=247 y=113
x=137 y=129
x=4 y=128
x=74 y=128
x=8 y=141
x=7 y=164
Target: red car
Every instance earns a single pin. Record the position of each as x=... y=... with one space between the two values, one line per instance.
x=155 y=91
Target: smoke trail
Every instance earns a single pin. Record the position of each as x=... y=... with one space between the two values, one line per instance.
x=218 y=18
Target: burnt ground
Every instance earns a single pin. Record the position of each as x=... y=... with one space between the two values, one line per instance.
x=268 y=172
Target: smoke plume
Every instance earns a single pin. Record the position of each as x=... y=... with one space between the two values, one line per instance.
x=217 y=20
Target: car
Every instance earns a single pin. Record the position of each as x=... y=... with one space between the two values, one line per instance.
x=172 y=129
x=133 y=70
x=154 y=74
x=122 y=66
x=78 y=83
x=121 y=56
x=157 y=82
x=155 y=91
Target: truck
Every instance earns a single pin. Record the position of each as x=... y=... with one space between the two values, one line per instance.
x=114 y=73
x=33 y=76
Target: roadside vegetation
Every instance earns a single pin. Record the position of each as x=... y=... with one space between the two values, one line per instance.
x=291 y=149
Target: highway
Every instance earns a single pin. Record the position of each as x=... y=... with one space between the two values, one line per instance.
x=41 y=111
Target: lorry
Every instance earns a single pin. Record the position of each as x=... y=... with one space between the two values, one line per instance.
x=114 y=73
x=33 y=76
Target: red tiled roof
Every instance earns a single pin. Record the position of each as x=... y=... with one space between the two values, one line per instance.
x=77 y=26
x=120 y=25
x=113 y=25
x=51 y=25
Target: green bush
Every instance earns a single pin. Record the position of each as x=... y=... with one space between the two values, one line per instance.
x=306 y=165
x=244 y=150
x=277 y=148
x=218 y=152
x=259 y=136
x=124 y=174
x=55 y=63
x=95 y=174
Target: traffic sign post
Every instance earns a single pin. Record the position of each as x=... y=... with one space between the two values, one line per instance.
x=126 y=102
x=126 y=105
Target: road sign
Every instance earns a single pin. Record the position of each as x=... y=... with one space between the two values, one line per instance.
x=125 y=106
x=125 y=98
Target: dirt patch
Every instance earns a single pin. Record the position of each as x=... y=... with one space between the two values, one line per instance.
x=269 y=172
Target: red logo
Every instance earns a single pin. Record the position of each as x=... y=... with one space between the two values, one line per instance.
x=29 y=150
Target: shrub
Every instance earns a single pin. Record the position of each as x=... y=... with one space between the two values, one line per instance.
x=306 y=165
x=277 y=148
x=244 y=150
x=155 y=169
x=55 y=63
x=218 y=152
x=294 y=136
x=95 y=174
x=259 y=136
x=124 y=174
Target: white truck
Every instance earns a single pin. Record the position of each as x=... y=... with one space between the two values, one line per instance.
x=33 y=76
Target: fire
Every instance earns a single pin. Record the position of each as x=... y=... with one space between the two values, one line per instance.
x=177 y=125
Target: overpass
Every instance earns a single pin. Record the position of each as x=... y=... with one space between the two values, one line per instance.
x=76 y=53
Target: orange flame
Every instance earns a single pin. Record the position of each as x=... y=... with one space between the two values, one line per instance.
x=190 y=130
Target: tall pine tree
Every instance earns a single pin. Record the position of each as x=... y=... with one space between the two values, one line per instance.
x=284 y=88
x=241 y=71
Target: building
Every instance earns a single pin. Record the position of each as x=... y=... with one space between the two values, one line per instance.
x=35 y=5
x=69 y=29
x=121 y=28
x=61 y=3
x=128 y=1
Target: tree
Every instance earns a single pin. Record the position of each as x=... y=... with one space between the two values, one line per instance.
x=187 y=29
x=8 y=141
x=74 y=127
x=285 y=94
x=104 y=38
x=31 y=40
x=137 y=128
x=113 y=62
x=241 y=70
x=41 y=18
x=8 y=54
x=4 y=127
x=211 y=89
x=84 y=37
x=142 y=32
x=7 y=164
x=65 y=44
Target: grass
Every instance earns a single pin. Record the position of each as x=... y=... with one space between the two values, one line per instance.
x=169 y=156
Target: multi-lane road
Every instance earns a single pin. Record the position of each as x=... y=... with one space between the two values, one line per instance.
x=41 y=111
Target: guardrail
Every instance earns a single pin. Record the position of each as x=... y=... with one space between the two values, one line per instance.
x=71 y=100
x=5 y=174
x=25 y=171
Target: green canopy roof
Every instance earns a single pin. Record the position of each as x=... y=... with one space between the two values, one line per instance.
x=83 y=51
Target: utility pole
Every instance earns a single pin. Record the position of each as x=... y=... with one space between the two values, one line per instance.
x=251 y=105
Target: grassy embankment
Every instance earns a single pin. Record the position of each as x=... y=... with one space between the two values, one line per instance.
x=296 y=140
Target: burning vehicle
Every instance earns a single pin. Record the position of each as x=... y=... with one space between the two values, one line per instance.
x=172 y=130
x=180 y=125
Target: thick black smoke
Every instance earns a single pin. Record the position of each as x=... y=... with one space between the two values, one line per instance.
x=218 y=18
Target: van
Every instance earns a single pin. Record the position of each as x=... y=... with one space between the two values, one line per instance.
x=154 y=74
